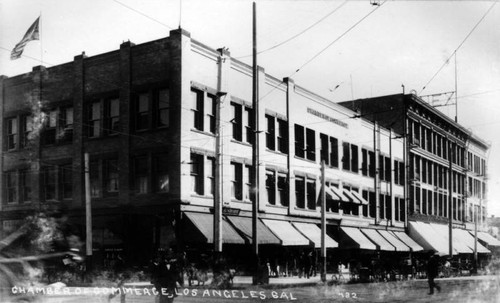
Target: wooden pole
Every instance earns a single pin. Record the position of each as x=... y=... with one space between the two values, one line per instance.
x=88 y=214
x=323 y=223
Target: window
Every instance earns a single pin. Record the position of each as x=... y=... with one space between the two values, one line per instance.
x=346 y=159
x=95 y=120
x=11 y=133
x=26 y=130
x=270 y=187
x=249 y=125
x=160 y=175
x=381 y=201
x=163 y=104
x=300 y=192
x=112 y=116
x=364 y=162
x=66 y=125
x=11 y=186
x=210 y=171
x=331 y=204
x=197 y=108
x=111 y=177
x=354 y=207
x=237 y=181
x=334 y=152
x=282 y=196
x=210 y=108
x=299 y=141
x=282 y=136
x=49 y=183
x=270 y=133
x=142 y=112
x=324 y=155
x=66 y=181
x=387 y=169
x=354 y=158
x=311 y=194
x=248 y=176
x=371 y=165
x=310 y=144
x=237 y=121
x=95 y=184
x=197 y=174
x=26 y=185
x=372 y=204
x=141 y=175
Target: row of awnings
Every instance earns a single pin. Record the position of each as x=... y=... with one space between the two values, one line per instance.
x=436 y=237
x=377 y=239
x=345 y=195
x=238 y=230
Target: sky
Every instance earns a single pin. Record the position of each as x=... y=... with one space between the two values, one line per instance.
x=341 y=50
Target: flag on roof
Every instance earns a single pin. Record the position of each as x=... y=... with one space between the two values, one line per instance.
x=33 y=33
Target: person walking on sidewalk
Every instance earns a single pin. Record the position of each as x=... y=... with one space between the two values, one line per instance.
x=432 y=272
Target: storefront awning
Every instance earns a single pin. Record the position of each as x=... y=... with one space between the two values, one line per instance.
x=458 y=245
x=407 y=240
x=428 y=238
x=391 y=238
x=487 y=238
x=359 y=197
x=313 y=233
x=354 y=238
x=377 y=238
x=288 y=235
x=204 y=223
x=244 y=226
x=468 y=240
x=340 y=194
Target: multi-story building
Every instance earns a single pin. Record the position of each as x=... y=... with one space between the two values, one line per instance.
x=147 y=116
x=446 y=169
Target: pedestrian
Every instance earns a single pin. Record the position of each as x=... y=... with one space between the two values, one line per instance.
x=164 y=276
x=432 y=272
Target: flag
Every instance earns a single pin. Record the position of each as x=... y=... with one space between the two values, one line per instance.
x=33 y=33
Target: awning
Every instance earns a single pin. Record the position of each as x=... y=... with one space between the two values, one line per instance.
x=468 y=239
x=391 y=238
x=313 y=233
x=244 y=226
x=356 y=239
x=348 y=194
x=377 y=238
x=460 y=247
x=407 y=240
x=487 y=238
x=205 y=225
x=359 y=197
x=340 y=194
x=428 y=238
x=332 y=194
x=288 y=235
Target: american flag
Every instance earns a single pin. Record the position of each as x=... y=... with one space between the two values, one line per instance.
x=33 y=33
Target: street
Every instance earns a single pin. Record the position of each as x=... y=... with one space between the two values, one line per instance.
x=465 y=289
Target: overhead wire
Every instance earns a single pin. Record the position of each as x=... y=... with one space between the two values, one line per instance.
x=298 y=34
x=459 y=46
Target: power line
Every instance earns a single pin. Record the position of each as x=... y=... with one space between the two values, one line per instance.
x=459 y=46
x=340 y=37
x=298 y=34
x=142 y=14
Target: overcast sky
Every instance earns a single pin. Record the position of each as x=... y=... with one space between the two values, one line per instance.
x=366 y=50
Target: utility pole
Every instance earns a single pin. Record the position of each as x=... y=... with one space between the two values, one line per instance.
x=475 y=241
x=255 y=149
x=450 y=199
x=218 y=179
x=88 y=215
x=323 y=222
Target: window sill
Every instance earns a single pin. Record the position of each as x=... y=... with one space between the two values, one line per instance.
x=306 y=209
x=277 y=152
x=276 y=206
x=241 y=142
x=194 y=130
x=305 y=159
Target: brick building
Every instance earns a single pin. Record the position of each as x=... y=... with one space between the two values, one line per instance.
x=146 y=115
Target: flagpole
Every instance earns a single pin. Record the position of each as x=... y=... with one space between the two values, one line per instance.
x=40 y=36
